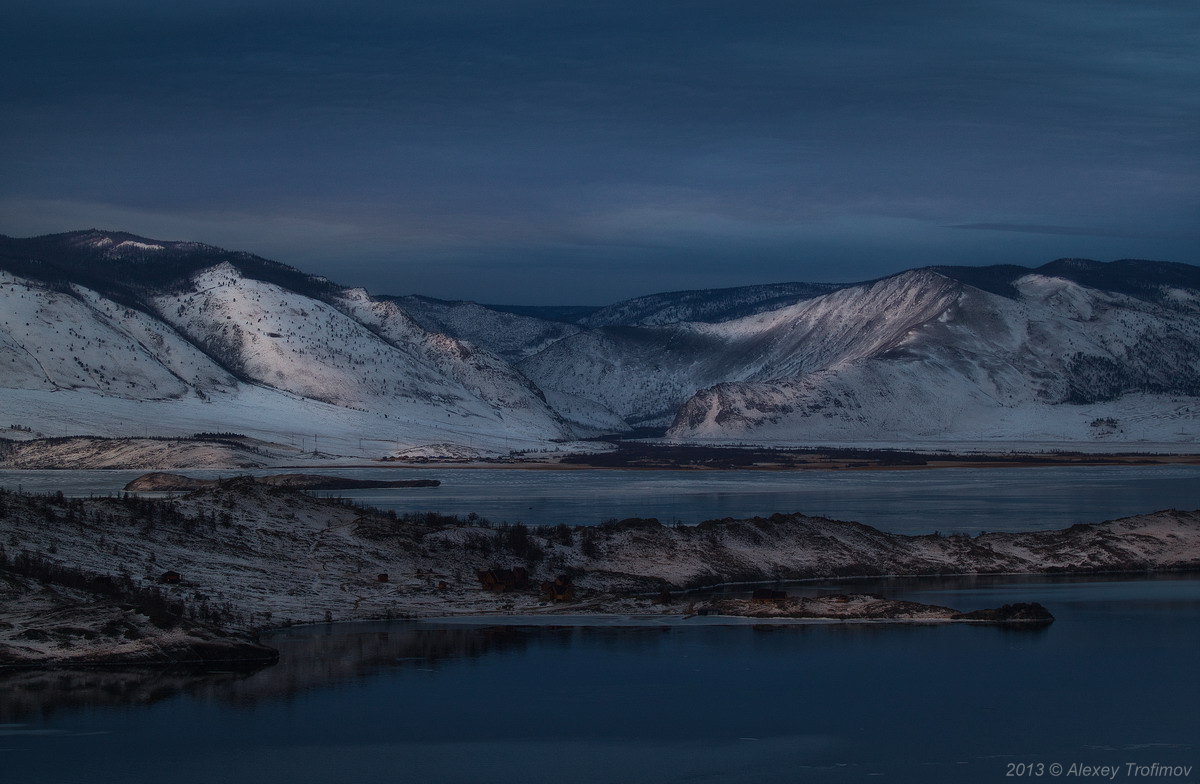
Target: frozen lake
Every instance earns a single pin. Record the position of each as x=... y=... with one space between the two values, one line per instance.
x=964 y=500
x=1112 y=681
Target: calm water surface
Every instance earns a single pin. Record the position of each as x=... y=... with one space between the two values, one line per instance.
x=1114 y=680
x=953 y=499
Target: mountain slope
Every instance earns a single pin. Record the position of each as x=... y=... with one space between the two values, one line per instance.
x=645 y=373
x=1058 y=361
x=925 y=355
x=516 y=332
x=512 y=336
x=110 y=334
x=1138 y=278
x=184 y=322
x=707 y=305
x=73 y=338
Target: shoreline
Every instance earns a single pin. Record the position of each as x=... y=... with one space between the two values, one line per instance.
x=579 y=617
x=173 y=455
x=201 y=574
x=1034 y=460
x=635 y=620
x=1139 y=461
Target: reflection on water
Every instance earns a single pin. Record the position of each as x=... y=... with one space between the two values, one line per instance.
x=949 y=500
x=310 y=657
x=1113 y=680
x=30 y=694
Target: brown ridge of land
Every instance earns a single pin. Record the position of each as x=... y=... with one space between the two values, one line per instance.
x=806 y=461
x=630 y=454
x=158 y=482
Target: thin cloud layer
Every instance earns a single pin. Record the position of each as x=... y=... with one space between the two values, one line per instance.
x=538 y=152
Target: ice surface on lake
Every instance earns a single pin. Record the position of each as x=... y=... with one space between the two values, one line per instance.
x=953 y=499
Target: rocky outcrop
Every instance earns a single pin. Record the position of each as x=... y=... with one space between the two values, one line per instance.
x=796 y=547
x=1022 y=612
x=865 y=607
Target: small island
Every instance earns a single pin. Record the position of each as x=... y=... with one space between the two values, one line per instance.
x=771 y=604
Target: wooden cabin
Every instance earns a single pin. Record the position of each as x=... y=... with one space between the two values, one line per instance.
x=170 y=578
x=503 y=580
x=560 y=589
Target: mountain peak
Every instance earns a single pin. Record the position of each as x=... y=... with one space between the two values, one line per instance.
x=101 y=238
x=134 y=265
x=1140 y=278
x=1134 y=277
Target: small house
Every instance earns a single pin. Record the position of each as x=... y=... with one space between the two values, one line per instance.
x=503 y=580
x=560 y=589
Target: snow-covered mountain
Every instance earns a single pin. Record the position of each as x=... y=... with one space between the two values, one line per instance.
x=645 y=373
x=219 y=340
x=925 y=356
x=516 y=332
x=1073 y=351
x=106 y=334
x=707 y=305
x=512 y=336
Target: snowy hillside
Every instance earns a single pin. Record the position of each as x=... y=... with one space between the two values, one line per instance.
x=508 y=335
x=515 y=332
x=645 y=373
x=180 y=338
x=1057 y=362
x=109 y=334
x=275 y=555
x=708 y=305
x=76 y=339
x=351 y=352
x=923 y=355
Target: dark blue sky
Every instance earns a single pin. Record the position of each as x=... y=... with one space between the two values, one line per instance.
x=581 y=152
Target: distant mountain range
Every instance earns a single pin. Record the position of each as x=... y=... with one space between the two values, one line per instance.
x=107 y=333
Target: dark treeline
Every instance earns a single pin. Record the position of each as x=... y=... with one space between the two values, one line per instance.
x=164 y=610
x=149 y=513
x=163 y=520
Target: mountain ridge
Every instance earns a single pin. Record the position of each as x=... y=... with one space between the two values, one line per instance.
x=241 y=322
x=183 y=321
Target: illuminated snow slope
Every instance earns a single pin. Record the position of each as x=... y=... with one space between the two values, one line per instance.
x=917 y=356
x=103 y=333
x=1059 y=362
x=219 y=350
